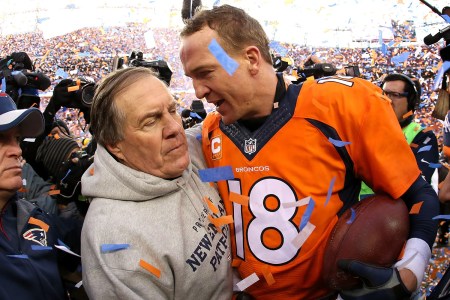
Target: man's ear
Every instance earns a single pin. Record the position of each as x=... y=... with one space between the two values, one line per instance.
x=254 y=58
x=116 y=151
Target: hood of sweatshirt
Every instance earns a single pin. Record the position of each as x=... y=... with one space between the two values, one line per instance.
x=107 y=178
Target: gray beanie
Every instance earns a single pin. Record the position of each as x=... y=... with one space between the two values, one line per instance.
x=53 y=152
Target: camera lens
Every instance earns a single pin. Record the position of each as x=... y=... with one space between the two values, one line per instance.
x=87 y=94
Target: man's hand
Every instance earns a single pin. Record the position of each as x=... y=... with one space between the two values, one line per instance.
x=61 y=94
x=70 y=184
x=377 y=282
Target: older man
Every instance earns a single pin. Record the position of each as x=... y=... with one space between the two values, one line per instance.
x=153 y=230
x=28 y=234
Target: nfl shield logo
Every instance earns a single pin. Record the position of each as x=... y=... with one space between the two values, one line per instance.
x=250 y=146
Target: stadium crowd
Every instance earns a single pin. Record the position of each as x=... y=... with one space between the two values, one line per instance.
x=90 y=52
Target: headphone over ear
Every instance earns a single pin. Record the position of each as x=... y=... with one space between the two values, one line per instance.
x=411 y=88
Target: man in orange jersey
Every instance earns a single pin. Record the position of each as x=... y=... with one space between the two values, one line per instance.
x=290 y=144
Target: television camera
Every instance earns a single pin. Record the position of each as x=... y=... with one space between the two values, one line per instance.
x=22 y=82
x=136 y=59
x=316 y=70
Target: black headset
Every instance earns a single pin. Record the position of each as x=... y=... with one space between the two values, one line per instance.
x=411 y=88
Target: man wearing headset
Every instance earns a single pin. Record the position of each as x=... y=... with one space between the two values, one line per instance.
x=404 y=94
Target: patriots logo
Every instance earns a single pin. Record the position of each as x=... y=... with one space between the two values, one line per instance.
x=36 y=235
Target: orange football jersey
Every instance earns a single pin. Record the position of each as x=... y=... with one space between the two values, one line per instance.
x=300 y=170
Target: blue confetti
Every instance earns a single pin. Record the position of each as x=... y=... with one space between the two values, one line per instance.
x=195 y=115
x=22 y=256
x=446 y=18
x=442 y=217
x=113 y=247
x=330 y=190
x=307 y=215
x=229 y=64
x=199 y=137
x=424 y=148
x=435 y=165
x=352 y=217
x=60 y=72
x=400 y=58
x=338 y=143
x=216 y=174
x=39 y=247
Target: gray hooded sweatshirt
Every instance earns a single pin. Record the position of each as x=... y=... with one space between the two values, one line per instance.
x=154 y=222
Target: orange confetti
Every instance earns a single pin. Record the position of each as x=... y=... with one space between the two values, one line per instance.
x=39 y=223
x=409 y=113
x=222 y=220
x=54 y=192
x=211 y=205
x=235 y=263
x=155 y=271
x=22 y=190
x=56 y=136
x=73 y=88
x=239 y=199
x=268 y=275
x=53 y=186
x=415 y=208
x=413 y=145
x=91 y=171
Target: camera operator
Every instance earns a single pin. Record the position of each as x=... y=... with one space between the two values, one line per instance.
x=196 y=114
x=55 y=155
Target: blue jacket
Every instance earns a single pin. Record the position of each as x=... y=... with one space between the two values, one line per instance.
x=28 y=258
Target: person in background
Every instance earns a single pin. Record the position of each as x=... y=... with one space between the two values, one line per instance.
x=286 y=142
x=404 y=93
x=30 y=261
x=153 y=229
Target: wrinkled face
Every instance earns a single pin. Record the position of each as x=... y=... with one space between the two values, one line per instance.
x=10 y=166
x=394 y=90
x=231 y=94
x=154 y=140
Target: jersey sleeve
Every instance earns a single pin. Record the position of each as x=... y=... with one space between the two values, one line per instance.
x=381 y=153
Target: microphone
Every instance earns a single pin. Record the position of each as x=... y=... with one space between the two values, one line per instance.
x=431 y=39
x=189 y=7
